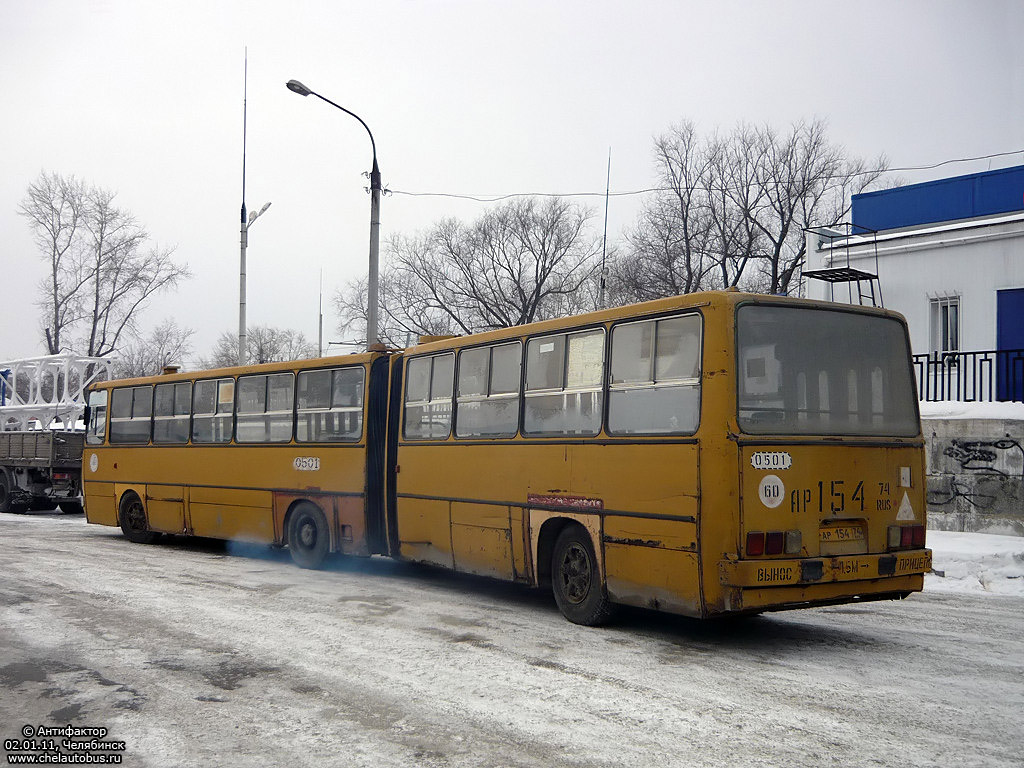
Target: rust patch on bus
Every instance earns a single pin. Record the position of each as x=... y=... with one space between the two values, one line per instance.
x=632 y=542
x=558 y=501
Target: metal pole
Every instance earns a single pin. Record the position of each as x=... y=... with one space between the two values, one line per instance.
x=372 y=293
x=241 y=291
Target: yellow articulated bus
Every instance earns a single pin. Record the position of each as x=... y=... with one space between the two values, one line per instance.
x=708 y=454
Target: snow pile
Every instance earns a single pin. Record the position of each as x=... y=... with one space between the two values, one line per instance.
x=976 y=562
x=954 y=409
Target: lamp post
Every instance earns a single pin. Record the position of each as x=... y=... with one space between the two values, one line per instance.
x=372 y=299
x=244 y=238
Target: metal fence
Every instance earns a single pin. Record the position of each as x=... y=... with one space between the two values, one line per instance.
x=987 y=376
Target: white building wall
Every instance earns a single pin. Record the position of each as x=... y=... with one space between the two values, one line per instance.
x=971 y=259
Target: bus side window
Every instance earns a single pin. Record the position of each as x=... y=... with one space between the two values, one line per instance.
x=131 y=412
x=264 y=411
x=329 y=405
x=488 y=391
x=212 y=403
x=171 y=409
x=97 y=428
x=428 y=396
x=655 y=381
x=564 y=384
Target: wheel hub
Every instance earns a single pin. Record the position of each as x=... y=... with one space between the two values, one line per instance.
x=307 y=534
x=575 y=573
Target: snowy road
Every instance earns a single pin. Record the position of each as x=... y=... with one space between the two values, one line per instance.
x=193 y=654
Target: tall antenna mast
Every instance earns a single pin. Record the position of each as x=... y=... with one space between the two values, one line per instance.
x=244 y=237
x=320 y=335
x=604 y=238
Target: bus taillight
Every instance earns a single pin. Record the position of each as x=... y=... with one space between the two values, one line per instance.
x=773 y=543
x=755 y=543
x=906 y=536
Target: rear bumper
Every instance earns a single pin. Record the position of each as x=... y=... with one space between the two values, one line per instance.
x=824 y=570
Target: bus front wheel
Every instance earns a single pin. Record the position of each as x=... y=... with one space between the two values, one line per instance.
x=576 y=579
x=308 y=536
x=133 y=521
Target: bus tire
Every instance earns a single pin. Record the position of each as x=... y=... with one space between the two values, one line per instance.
x=309 y=538
x=576 y=579
x=132 y=518
x=6 y=488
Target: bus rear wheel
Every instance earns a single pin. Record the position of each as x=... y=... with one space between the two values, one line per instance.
x=133 y=521
x=309 y=539
x=576 y=579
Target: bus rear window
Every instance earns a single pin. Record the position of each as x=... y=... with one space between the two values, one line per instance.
x=823 y=372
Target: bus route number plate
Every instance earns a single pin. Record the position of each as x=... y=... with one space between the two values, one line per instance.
x=306 y=463
x=771 y=460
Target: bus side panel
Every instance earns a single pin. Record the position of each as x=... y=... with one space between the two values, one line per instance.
x=100 y=504
x=230 y=513
x=650 y=553
x=506 y=474
x=482 y=539
x=653 y=563
x=641 y=478
x=165 y=508
x=652 y=577
x=424 y=527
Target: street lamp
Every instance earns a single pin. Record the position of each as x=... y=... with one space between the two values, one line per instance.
x=246 y=223
x=372 y=300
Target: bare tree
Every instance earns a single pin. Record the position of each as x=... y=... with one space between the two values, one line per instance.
x=167 y=344
x=522 y=261
x=734 y=208
x=54 y=207
x=264 y=344
x=102 y=269
x=669 y=246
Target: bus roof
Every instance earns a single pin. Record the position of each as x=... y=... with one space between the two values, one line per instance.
x=358 y=358
x=654 y=307
x=433 y=343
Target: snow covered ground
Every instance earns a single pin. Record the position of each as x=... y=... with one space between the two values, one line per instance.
x=194 y=653
x=953 y=409
x=976 y=562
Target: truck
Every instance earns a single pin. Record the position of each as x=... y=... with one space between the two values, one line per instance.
x=42 y=401
x=41 y=470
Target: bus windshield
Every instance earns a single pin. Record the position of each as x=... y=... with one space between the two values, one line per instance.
x=823 y=372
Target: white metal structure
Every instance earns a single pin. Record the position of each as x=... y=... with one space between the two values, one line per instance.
x=47 y=391
x=924 y=268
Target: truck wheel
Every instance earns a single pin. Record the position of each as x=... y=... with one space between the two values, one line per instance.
x=42 y=505
x=6 y=486
x=576 y=579
x=132 y=517
x=71 y=507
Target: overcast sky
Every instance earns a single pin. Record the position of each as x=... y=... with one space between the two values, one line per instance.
x=463 y=96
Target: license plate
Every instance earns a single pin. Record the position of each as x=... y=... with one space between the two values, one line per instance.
x=838 y=533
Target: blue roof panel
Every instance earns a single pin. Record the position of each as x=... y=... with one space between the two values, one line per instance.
x=960 y=197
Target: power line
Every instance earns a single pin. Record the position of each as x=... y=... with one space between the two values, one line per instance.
x=648 y=190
